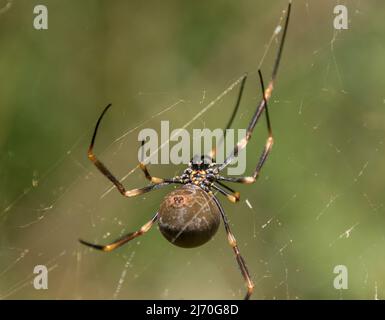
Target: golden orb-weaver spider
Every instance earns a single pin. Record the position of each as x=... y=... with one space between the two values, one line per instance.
x=190 y=215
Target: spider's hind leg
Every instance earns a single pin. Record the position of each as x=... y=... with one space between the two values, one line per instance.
x=241 y=262
x=123 y=240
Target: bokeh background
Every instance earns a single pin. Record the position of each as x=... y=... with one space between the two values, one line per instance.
x=318 y=203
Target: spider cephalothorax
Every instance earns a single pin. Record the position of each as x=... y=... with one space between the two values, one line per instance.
x=190 y=215
x=201 y=174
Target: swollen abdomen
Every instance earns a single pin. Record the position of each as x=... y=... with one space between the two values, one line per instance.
x=188 y=217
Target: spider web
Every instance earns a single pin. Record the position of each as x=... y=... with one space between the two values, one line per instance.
x=317 y=204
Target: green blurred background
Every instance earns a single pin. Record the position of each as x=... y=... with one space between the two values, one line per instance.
x=318 y=203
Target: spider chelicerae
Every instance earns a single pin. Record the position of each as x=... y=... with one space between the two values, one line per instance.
x=190 y=215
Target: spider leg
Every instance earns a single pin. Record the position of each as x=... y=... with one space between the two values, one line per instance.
x=266 y=149
x=123 y=240
x=233 y=196
x=262 y=105
x=148 y=176
x=230 y=122
x=233 y=243
x=138 y=191
x=106 y=172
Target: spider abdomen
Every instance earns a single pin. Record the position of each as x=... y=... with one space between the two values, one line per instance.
x=188 y=216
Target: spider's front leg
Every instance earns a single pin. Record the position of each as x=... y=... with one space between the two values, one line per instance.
x=106 y=172
x=154 y=180
x=240 y=145
x=261 y=107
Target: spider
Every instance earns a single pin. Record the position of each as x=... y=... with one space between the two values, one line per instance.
x=190 y=215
